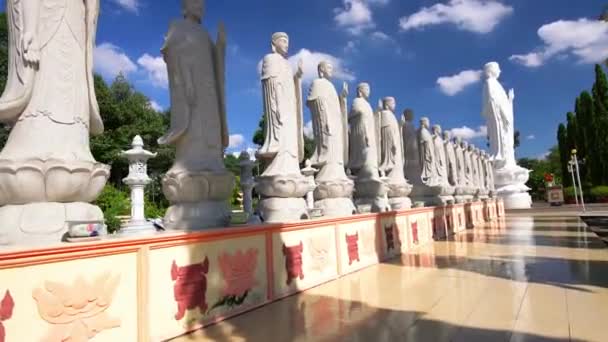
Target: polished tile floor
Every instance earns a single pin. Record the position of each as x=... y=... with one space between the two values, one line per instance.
x=523 y=279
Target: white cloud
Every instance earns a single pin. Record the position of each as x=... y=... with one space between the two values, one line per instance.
x=308 y=132
x=479 y=16
x=468 y=133
x=531 y=137
x=311 y=60
x=531 y=60
x=452 y=85
x=155 y=106
x=236 y=141
x=585 y=39
x=351 y=47
x=129 y=5
x=156 y=69
x=250 y=150
x=110 y=60
x=356 y=16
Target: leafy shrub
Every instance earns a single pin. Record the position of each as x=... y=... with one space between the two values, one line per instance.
x=599 y=191
x=113 y=202
x=569 y=192
x=153 y=211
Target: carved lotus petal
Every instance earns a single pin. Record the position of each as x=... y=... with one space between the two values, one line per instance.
x=52 y=180
x=334 y=189
x=399 y=190
x=192 y=187
x=282 y=186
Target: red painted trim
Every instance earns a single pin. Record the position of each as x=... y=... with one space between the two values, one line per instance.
x=19 y=257
x=269 y=266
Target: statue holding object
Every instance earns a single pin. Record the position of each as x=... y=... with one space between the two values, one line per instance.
x=198 y=185
x=282 y=185
x=330 y=127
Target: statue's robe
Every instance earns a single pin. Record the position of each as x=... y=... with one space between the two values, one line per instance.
x=56 y=99
x=452 y=168
x=198 y=121
x=426 y=150
x=328 y=123
x=497 y=109
x=363 y=155
x=440 y=157
x=391 y=160
x=281 y=92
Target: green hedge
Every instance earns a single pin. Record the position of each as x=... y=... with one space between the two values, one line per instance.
x=599 y=191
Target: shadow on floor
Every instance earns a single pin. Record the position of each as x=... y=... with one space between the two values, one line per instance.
x=307 y=317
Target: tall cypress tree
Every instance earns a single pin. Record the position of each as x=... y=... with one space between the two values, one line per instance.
x=593 y=164
x=571 y=131
x=564 y=154
x=581 y=128
x=600 y=123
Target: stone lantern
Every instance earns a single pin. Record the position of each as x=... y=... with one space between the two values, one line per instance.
x=137 y=181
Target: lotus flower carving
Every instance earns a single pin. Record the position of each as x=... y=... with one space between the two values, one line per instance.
x=52 y=180
x=282 y=186
x=193 y=187
x=77 y=311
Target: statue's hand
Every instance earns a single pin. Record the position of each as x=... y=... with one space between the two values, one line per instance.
x=300 y=70
x=30 y=47
x=344 y=90
x=511 y=94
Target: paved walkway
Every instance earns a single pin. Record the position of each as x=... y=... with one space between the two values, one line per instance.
x=526 y=279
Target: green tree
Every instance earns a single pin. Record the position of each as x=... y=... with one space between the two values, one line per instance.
x=564 y=154
x=592 y=158
x=600 y=111
x=571 y=130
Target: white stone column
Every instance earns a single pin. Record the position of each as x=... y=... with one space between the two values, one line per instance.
x=137 y=181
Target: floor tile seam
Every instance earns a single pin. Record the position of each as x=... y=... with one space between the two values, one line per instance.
x=468 y=316
x=521 y=304
x=568 y=315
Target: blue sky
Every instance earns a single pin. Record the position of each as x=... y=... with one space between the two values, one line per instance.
x=426 y=53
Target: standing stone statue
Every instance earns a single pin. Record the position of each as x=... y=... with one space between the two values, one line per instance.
x=474 y=169
x=370 y=193
x=428 y=158
x=410 y=146
x=48 y=175
x=330 y=126
x=282 y=185
x=440 y=154
x=489 y=174
x=497 y=108
x=430 y=186
x=391 y=161
x=198 y=185
x=483 y=193
x=450 y=159
x=461 y=186
x=468 y=171
x=442 y=164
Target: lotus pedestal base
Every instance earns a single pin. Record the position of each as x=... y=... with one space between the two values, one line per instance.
x=371 y=196
x=280 y=210
x=197 y=216
x=43 y=223
x=336 y=207
x=400 y=203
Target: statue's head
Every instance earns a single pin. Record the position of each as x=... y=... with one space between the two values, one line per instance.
x=389 y=103
x=464 y=144
x=425 y=122
x=437 y=130
x=471 y=147
x=194 y=9
x=492 y=70
x=408 y=115
x=458 y=141
x=363 y=90
x=326 y=70
x=447 y=135
x=280 y=43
